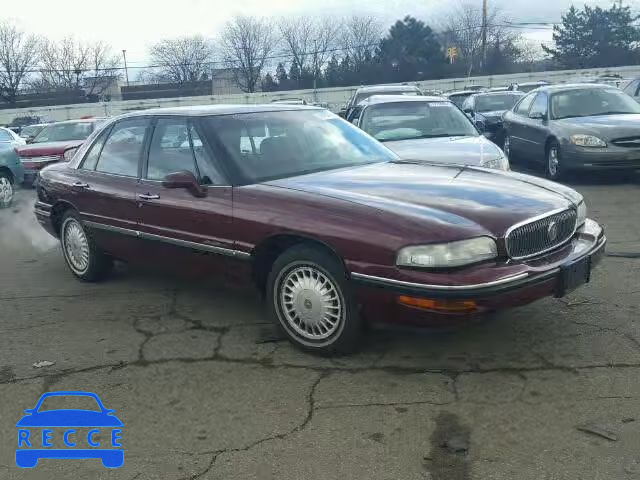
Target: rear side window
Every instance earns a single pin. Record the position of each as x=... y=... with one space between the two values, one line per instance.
x=523 y=107
x=123 y=148
x=91 y=158
x=539 y=105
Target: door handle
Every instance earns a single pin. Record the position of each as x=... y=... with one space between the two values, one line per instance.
x=80 y=185
x=147 y=196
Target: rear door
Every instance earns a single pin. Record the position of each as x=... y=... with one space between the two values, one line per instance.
x=105 y=184
x=516 y=125
x=174 y=217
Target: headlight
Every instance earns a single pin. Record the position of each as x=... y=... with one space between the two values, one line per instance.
x=582 y=213
x=454 y=254
x=499 y=163
x=587 y=141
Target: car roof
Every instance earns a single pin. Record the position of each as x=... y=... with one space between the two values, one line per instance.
x=462 y=92
x=221 y=109
x=500 y=93
x=378 y=99
x=383 y=88
x=571 y=86
x=75 y=120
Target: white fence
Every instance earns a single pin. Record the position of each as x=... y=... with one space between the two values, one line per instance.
x=335 y=97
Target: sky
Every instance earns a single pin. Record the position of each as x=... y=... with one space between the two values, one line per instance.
x=136 y=24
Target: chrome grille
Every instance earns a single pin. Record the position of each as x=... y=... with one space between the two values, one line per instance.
x=45 y=158
x=541 y=235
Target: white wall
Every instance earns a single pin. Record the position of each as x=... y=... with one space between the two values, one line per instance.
x=335 y=97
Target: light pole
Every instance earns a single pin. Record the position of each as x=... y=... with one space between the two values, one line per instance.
x=484 y=33
x=126 y=70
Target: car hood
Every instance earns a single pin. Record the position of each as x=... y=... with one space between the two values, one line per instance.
x=49 y=148
x=458 y=150
x=69 y=418
x=606 y=126
x=447 y=196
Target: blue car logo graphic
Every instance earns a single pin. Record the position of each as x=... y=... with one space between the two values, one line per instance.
x=66 y=427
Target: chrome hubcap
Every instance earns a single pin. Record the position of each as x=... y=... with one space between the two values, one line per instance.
x=553 y=161
x=310 y=303
x=6 y=191
x=76 y=246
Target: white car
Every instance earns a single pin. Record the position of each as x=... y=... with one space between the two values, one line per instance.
x=10 y=137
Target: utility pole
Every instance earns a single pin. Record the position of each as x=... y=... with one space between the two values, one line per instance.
x=484 y=33
x=126 y=70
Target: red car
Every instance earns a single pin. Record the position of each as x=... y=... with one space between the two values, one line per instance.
x=330 y=226
x=55 y=142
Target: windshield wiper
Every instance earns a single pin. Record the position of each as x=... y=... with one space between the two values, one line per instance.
x=614 y=112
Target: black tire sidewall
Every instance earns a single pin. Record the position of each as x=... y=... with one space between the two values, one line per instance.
x=13 y=187
x=343 y=340
x=558 y=175
x=99 y=263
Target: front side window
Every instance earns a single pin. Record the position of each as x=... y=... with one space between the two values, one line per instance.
x=170 y=149
x=411 y=120
x=63 y=132
x=122 y=151
x=269 y=145
x=632 y=88
x=91 y=158
x=592 y=101
x=209 y=174
x=493 y=103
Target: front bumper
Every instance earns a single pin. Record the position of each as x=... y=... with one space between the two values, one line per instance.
x=611 y=157
x=531 y=280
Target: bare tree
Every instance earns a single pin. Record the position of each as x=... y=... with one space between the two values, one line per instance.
x=463 y=29
x=73 y=65
x=246 y=44
x=361 y=37
x=182 y=60
x=309 y=41
x=19 y=54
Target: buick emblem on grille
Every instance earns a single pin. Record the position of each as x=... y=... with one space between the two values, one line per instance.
x=552 y=231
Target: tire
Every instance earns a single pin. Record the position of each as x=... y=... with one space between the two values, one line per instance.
x=83 y=257
x=553 y=165
x=506 y=148
x=324 y=323
x=7 y=190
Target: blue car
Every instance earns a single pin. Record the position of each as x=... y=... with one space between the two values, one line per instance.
x=11 y=173
x=34 y=444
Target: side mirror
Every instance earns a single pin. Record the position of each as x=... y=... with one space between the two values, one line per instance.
x=468 y=111
x=538 y=116
x=480 y=125
x=185 y=179
x=29 y=139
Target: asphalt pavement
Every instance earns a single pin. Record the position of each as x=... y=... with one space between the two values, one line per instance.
x=207 y=388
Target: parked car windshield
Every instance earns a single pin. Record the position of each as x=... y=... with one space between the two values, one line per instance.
x=491 y=103
x=60 y=132
x=410 y=120
x=363 y=96
x=31 y=130
x=459 y=98
x=269 y=145
x=591 y=101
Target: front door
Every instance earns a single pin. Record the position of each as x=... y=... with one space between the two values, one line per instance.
x=173 y=220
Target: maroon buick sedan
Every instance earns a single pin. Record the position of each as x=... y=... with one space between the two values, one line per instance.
x=330 y=226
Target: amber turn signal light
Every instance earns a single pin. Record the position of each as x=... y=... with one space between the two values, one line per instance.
x=439 y=306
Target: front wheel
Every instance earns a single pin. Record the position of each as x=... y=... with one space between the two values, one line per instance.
x=6 y=190
x=553 y=166
x=85 y=260
x=309 y=296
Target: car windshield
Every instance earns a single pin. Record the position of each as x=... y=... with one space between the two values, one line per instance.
x=491 y=103
x=66 y=402
x=591 y=101
x=270 y=145
x=411 y=120
x=60 y=132
x=31 y=130
x=363 y=96
x=460 y=98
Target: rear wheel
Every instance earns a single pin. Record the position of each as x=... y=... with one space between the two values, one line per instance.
x=85 y=260
x=309 y=296
x=6 y=190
